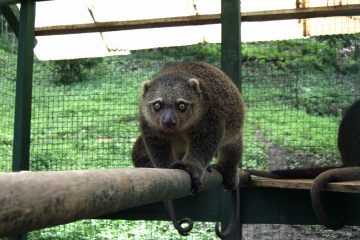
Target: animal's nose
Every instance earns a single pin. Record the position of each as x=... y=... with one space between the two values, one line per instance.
x=169 y=120
x=169 y=123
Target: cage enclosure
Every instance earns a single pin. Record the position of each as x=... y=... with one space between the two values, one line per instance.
x=76 y=102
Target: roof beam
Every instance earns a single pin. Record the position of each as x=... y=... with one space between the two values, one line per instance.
x=129 y=25
x=315 y=12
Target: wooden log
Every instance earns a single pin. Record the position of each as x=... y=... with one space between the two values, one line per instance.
x=34 y=200
x=258 y=16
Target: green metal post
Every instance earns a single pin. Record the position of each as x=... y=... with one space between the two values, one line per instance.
x=231 y=40
x=230 y=64
x=21 y=149
x=24 y=86
x=8 y=2
x=11 y=14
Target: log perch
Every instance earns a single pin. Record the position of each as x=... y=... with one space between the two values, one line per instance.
x=35 y=200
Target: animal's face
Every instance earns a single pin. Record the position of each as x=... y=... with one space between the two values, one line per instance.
x=170 y=104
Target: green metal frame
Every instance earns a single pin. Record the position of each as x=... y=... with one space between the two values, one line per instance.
x=8 y=2
x=230 y=64
x=259 y=205
x=12 y=15
x=230 y=39
x=24 y=86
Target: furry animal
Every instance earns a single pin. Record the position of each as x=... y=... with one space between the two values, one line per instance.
x=349 y=148
x=189 y=113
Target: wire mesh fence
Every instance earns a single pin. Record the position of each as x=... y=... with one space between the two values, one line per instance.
x=7 y=99
x=85 y=116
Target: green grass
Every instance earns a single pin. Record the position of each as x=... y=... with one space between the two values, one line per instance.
x=120 y=229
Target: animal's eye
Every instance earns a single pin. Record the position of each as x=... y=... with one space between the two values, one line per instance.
x=157 y=106
x=182 y=106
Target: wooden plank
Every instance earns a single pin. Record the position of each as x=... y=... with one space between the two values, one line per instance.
x=315 y=12
x=129 y=25
x=349 y=187
x=301 y=13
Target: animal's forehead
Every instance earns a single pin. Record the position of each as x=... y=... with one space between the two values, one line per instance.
x=169 y=89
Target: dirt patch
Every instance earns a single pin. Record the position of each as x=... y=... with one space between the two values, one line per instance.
x=280 y=158
x=277 y=156
x=284 y=232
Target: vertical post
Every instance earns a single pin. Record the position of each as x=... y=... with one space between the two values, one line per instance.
x=230 y=64
x=24 y=86
x=230 y=39
x=21 y=149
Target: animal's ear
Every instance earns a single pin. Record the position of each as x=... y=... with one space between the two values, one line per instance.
x=145 y=87
x=194 y=84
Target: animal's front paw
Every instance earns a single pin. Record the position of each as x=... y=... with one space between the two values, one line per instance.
x=195 y=174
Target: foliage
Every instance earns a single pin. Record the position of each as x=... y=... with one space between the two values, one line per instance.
x=111 y=229
x=209 y=53
x=4 y=43
x=320 y=96
x=325 y=53
x=291 y=55
x=72 y=71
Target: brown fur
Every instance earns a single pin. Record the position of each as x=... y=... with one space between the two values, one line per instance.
x=211 y=124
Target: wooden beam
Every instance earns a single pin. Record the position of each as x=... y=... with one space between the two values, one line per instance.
x=301 y=13
x=34 y=200
x=315 y=12
x=348 y=187
x=129 y=25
